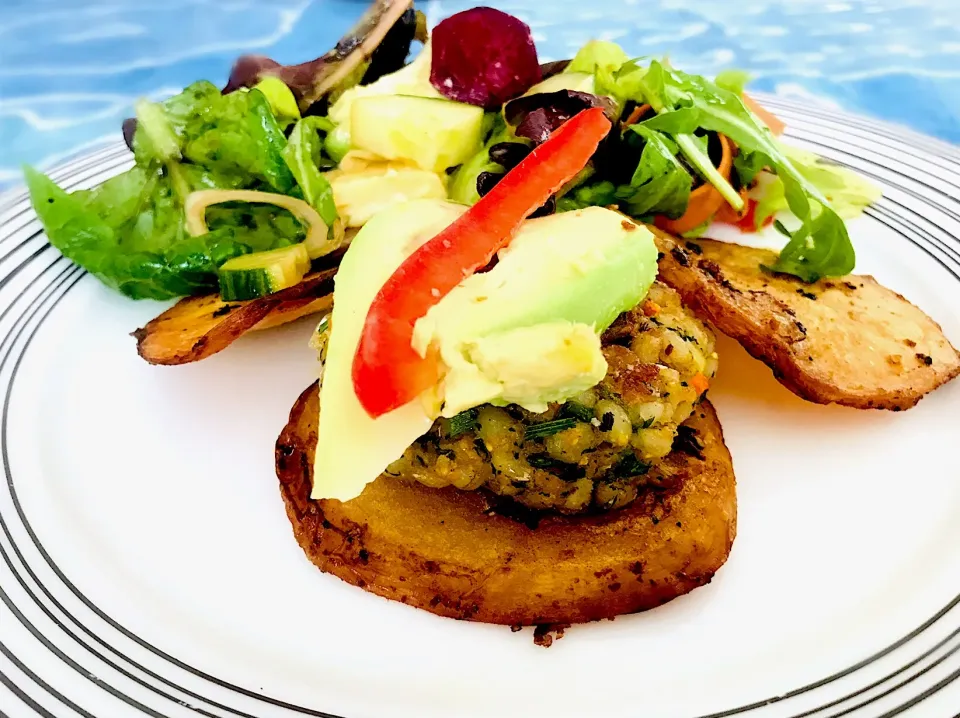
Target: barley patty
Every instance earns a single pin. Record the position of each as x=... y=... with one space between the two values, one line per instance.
x=596 y=450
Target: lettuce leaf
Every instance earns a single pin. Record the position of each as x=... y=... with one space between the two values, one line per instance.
x=303 y=155
x=733 y=80
x=129 y=231
x=238 y=134
x=128 y=234
x=597 y=54
x=463 y=182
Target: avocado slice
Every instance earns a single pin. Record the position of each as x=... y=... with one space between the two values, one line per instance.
x=569 y=270
x=526 y=332
x=352 y=448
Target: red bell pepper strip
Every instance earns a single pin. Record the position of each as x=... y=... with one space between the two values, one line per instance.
x=387 y=371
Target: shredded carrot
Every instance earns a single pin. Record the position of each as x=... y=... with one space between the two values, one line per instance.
x=700 y=383
x=729 y=215
x=704 y=201
x=634 y=117
x=651 y=308
x=775 y=124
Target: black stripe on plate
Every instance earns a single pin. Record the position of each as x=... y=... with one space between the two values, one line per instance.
x=43 y=684
x=36 y=707
x=42 y=307
x=826 y=122
x=889 y=130
x=6 y=347
x=923 y=696
x=876 y=684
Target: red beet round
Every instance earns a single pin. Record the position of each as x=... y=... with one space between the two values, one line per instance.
x=484 y=57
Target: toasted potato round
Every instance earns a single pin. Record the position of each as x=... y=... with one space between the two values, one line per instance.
x=198 y=327
x=849 y=341
x=454 y=553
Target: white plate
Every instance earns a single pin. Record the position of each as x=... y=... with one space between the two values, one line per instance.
x=148 y=567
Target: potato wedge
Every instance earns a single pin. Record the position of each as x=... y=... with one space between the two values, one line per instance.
x=456 y=554
x=849 y=341
x=198 y=327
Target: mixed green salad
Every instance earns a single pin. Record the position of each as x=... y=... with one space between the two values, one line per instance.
x=242 y=190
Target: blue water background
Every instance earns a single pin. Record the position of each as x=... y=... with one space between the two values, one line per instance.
x=70 y=70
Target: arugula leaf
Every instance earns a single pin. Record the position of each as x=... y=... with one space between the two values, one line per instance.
x=682 y=123
x=660 y=184
x=302 y=155
x=748 y=165
x=821 y=246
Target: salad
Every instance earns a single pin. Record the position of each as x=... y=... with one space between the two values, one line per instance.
x=238 y=190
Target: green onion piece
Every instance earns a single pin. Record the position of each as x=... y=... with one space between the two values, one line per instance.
x=548 y=428
x=576 y=411
x=630 y=465
x=462 y=423
x=542 y=461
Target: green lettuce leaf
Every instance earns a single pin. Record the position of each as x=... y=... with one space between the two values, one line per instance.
x=597 y=54
x=463 y=182
x=303 y=156
x=596 y=194
x=239 y=135
x=733 y=80
x=177 y=111
x=127 y=234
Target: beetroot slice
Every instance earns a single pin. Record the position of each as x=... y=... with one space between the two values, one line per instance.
x=484 y=57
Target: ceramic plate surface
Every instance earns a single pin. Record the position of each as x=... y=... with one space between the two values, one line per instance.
x=148 y=567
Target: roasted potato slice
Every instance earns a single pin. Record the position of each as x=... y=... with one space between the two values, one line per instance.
x=198 y=327
x=849 y=341
x=457 y=554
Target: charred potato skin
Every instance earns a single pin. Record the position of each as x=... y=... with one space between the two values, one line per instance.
x=842 y=340
x=199 y=327
x=445 y=551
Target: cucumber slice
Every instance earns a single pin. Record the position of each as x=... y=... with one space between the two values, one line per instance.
x=254 y=275
x=433 y=134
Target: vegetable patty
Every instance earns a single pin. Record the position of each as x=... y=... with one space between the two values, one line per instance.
x=596 y=450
